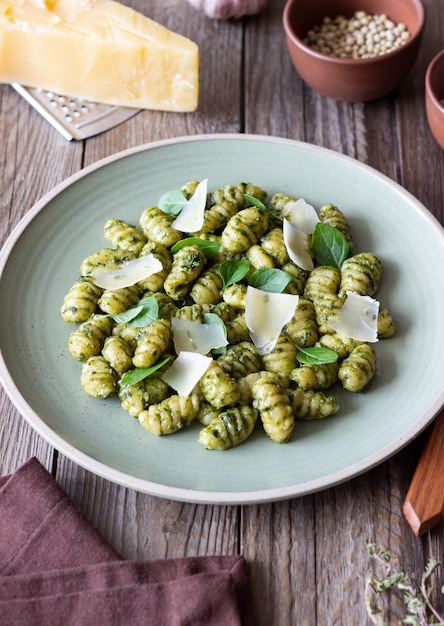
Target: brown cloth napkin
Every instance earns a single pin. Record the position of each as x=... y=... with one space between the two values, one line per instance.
x=55 y=568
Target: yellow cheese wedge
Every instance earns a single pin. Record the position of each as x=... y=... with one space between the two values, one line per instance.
x=99 y=50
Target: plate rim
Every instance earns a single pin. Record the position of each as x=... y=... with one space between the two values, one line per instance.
x=196 y=495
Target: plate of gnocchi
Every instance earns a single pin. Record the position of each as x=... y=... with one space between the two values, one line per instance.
x=225 y=318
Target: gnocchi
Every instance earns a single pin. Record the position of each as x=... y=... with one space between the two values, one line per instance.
x=242 y=389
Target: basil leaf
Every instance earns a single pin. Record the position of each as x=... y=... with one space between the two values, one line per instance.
x=268 y=279
x=254 y=201
x=148 y=314
x=131 y=377
x=329 y=245
x=233 y=271
x=128 y=315
x=142 y=314
x=209 y=248
x=316 y=356
x=172 y=202
x=211 y=319
x=260 y=205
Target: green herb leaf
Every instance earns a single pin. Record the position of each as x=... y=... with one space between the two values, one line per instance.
x=316 y=356
x=131 y=377
x=233 y=271
x=172 y=202
x=329 y=245
x=417 y=597
x=142 y=314
x=128 y=315
x=209 y=248
x=211 y=319
x=255 y=201
x=148 y=314
x=260 y=205
x=269 y=279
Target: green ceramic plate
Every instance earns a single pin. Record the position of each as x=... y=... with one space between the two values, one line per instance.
x=40 y=262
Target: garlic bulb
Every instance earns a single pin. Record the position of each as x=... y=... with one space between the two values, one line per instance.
x=226 y=9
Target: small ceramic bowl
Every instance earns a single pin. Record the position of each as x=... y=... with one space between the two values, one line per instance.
x=434 y=97
x=352 y=80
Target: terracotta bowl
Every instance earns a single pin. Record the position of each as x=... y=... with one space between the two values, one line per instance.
x=353 y=80
x=434 y=90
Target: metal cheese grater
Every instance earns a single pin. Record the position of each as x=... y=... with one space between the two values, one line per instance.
x=74 y=118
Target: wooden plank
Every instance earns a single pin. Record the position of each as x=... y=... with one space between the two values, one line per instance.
x=278 y=540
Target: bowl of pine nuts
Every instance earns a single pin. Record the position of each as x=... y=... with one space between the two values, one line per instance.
x=434 y=97
x=353 y=50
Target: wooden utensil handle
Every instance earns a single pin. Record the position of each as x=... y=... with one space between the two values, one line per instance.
x=424 y=503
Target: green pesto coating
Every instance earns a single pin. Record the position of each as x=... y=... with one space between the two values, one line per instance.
x=105 y=259
x=154 y=343
x=230 y=428
x=138 y=397
x=88 y=339
x=326 y=305
x=98 y=379
x=124 y=235
x=317 y=377
x=193 y=312
x=155 y=282
x=273 y=244
x=218 y=388
x=302 y=328
x=279 y=204
x=167 y=417
x=331 y=215
x=206 y=289
x=258 y=258
x=244 y=229
x=322 y=280
x=358 y=369
x=341 y=345
x=118 y=353
x=298 y=278
x=282 y=359
x=167 y=307
x=235 y=295
x=274 y=409
x=237 y=329
x=80 y=302
x=188 y=263
x=114 y=301
x=312 y=405
x=206 y=412
x=362 y=274
x=156 y=226
x=240 y=384
x=240 y=360
x=386 y=324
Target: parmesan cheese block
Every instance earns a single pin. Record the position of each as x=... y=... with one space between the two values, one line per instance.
x=99 y=50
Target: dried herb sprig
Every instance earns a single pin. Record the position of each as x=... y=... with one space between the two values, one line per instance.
x=416 y=597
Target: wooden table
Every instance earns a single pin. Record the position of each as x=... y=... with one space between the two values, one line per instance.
x=307 y=556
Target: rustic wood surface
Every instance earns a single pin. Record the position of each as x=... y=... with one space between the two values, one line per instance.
x=307 y=556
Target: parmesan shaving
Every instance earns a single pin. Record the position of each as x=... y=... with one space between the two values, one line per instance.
x=357 y=319
x=266 y=314
x=128 y=273
x=191 y=218
x=186 y=371
x=302 y=216
x=297 y=243
x=191 y=336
